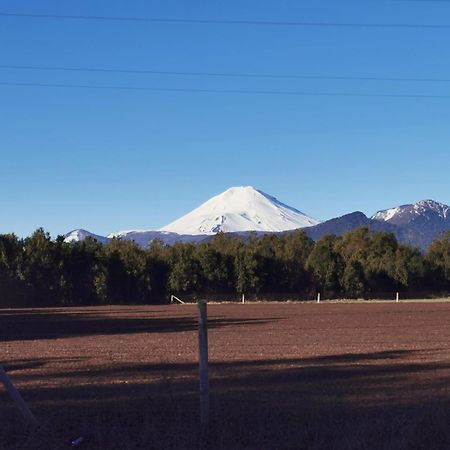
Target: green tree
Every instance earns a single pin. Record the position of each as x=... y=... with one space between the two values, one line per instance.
x=353 y=280
x=254 y=265
x=292 y=256
x=84 y=273
x=216 y=273
x=409 y=269
x=438 y=263
x=127 y=278
x=380 y=268
x=41 y=269
x=185 y=269
x=13 y=290
x=158 y=269
x=326 y=266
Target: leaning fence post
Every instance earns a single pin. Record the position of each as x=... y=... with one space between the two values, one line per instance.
x=203 y=363
x=17 y=398
x=318 y=297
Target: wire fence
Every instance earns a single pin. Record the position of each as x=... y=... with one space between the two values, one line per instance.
x=293 y=297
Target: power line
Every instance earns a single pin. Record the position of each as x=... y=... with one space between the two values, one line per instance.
x=224 y=22
x=222 y=74
x=424 y=1
x=224 y=91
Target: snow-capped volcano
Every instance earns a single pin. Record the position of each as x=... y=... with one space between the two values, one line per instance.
x=240 y=209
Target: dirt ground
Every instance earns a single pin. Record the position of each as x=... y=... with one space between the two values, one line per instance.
x=317 y=376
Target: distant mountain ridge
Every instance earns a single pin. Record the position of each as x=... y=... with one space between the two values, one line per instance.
x=80 y=234
x=405 y=214
x=420 y=223
x=245 y=209
x=349 y=222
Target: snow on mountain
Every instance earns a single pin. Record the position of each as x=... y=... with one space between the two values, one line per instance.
x=443 y=211
x=140 y=237
x=386 y=214
x=405 y=214
x=80 y=235
x=243 y=209
x=240 y=209
x=420 y=223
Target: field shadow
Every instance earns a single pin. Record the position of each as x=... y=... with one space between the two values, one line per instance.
x=380 y=400
x=39 y=325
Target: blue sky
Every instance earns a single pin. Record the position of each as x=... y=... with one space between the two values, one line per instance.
x=108 y=160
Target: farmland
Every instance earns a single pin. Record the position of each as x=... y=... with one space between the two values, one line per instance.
x=329 y=375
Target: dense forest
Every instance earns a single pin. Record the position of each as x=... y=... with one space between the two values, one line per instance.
x=38 y=271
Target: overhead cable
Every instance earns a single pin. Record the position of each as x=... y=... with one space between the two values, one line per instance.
x=223 y=91
x=271 y=23
x=223 y=74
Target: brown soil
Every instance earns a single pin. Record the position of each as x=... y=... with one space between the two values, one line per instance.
x=329 y=375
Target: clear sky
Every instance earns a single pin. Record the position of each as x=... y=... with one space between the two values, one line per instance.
x=108 y=159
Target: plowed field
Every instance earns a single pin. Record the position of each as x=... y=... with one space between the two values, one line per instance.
x=329 y=375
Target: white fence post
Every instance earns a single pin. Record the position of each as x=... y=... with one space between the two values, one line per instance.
x=397 y=296
x=318 y=297
x=17 y=398
x=173 y=299
x=243 y=298
x=203 y=363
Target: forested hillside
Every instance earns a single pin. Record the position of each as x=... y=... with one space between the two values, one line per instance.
x=38 y=271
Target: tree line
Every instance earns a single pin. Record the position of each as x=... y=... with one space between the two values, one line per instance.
x=39 y=271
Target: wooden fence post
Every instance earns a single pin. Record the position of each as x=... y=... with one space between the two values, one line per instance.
x=17 y=398
x=203 y=363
